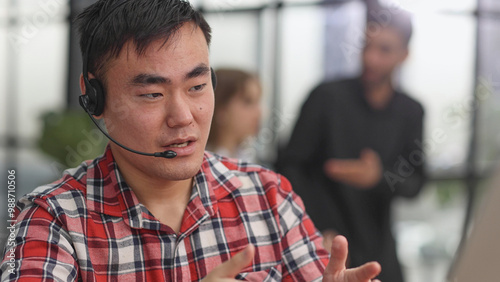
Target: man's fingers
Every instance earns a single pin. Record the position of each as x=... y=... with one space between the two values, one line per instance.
x=343 y=168
x=232 y=267
x=369 y=156
x=365 y=272
x=328 y=236
x=336 y=270
x=338 y=256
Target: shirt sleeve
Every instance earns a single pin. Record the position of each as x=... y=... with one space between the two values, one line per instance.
x=304 y=258
x=39 y=249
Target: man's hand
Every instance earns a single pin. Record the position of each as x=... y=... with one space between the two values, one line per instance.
x=336 y=271
x=229 y=269
x=328 y=236
x=364 y=172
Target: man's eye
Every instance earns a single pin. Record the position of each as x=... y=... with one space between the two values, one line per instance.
x=198 y=87
x=151 y=95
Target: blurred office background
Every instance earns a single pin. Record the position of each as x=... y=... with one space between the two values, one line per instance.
x=293 y=45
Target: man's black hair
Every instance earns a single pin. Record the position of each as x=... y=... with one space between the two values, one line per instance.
x=392 y=17
x=142 y=21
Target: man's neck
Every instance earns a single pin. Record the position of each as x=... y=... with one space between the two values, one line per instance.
x=378 y=95
x=165 y=199
x=167 y=204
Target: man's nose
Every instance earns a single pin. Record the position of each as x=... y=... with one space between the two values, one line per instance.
x=178 y=111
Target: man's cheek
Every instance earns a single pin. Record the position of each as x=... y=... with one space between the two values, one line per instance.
x=206 y=112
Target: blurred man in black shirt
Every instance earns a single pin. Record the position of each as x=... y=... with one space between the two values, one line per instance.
x=356 y=146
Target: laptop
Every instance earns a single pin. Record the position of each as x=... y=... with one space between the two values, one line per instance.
x=479 y=259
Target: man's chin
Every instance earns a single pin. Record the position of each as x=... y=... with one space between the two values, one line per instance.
x=181 y=169
x=180 y=175
x=370 y=78
x=373 y=80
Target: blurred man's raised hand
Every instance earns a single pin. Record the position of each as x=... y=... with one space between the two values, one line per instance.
x=363 y=173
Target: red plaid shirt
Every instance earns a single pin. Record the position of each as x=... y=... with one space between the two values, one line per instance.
x=89 y=226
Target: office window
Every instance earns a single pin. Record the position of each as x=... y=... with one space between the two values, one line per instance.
x=36 y=60
x=488 y=86
x=439 y=73
x=231 y=4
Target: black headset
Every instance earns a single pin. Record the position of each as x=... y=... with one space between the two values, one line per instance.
x=94 y=99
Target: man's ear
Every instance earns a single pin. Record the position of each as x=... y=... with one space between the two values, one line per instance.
x=82 y=85
x=83 y=89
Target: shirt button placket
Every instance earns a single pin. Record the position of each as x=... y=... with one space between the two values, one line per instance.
x=174 y=260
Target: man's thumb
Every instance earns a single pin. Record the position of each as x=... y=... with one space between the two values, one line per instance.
x=232 y=267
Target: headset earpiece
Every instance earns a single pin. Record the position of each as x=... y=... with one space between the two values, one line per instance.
x=214 y=78
x=99 y=97
x=94 y=98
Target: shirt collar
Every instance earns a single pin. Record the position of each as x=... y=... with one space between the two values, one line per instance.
x=108 y=193
x=215 y=181
x=360 y=92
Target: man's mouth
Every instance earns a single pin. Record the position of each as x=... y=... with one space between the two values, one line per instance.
x=180 y=145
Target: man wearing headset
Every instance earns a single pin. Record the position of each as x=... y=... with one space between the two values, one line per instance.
x=183 y=215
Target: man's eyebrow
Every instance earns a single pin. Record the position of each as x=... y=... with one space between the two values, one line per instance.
x=198 y=71
x=148 y=79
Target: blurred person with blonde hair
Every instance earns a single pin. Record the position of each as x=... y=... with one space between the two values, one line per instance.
x=237 y=114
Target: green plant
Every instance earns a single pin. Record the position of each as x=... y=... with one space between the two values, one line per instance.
x=70 y=137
